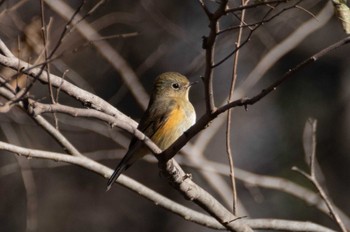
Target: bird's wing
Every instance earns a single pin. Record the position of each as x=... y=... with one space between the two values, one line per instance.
x=152 y=120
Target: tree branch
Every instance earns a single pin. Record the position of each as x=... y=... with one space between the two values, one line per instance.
x=209 y=46
x=313 y=179
x=106 y=50
x=160 y=200
x=270 y=182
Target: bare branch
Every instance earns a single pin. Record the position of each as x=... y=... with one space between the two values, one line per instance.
x=183 y=183
x=313 y=179
x=56 y=134
x=160 y=200
x=85 y=97
x=229 y=112
x=284 y=47
x=108 y=52
x=286 y=76
x=209 y=46
x=133 y=185
x=254 y=5
x=4 y=49
x=270 y=182
x=287 y=225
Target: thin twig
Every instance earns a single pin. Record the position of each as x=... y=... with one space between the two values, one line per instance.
x=229 y=112
x=107 y=51
x=118 y=36
x=312 y=165
x=235 y=50
x=286 y=76
x=45 y=41
x=313 y=179
x=256 y=4
x=49 y=58
x=60 y=86
x=56 y=134
x=66 y=28
x=285 y=46
x=264 y=20
x=252 y=27
x=92 y=10
x=13 y=8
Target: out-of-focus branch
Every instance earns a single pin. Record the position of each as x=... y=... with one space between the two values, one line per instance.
x=107 y=51
x=56 y=134
x=250 y=101
x=81 y=95
x=29 y=183
x=284 y=47
x=254 y=5
x=12 y=8
x=270 y=182
x=313 y=179
x=124 y=123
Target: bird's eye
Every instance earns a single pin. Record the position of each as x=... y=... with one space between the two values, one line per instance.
x=175 y=86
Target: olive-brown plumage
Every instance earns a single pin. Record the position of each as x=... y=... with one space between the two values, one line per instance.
x=169 y=114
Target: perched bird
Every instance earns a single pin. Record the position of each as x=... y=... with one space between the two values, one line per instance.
x=169 y=114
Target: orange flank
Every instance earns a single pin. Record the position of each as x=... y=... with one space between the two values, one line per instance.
x=170 y=131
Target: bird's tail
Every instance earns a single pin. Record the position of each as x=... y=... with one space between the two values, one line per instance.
x=122 y=166
x=130 y=157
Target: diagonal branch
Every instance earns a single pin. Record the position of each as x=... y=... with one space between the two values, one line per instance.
x=202 y=123
x=106 y=50
x=160 y=200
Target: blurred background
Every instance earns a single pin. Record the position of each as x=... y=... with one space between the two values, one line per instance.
x=152 y=37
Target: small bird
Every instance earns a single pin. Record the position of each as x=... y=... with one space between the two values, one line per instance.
x=169 y=114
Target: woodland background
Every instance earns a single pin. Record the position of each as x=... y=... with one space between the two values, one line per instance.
x=158 y=36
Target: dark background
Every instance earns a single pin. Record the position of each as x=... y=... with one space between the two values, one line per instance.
x=267 y=138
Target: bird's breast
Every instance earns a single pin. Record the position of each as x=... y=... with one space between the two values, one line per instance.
x=179 y=120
